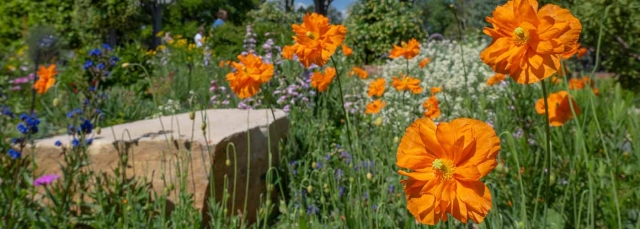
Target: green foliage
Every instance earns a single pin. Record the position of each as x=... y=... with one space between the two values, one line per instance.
x=471 y=15
x=267 y=22
x=105 y=18
x=375 y=25
x=620 y=50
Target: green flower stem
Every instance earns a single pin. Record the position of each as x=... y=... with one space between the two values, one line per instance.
x=547 y=192
x=344 y=110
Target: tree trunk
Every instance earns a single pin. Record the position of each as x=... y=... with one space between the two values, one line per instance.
x=322 y=6
x=112 y=39
x=156 y=14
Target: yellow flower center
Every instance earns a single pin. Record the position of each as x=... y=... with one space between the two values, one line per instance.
x=310 y=35
x=444 y=168
x=521 y=37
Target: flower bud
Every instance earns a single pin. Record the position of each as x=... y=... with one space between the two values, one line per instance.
x=192 y=115
x=369 y=176
x=125 y=65
x=227 y=162
x=56 y=102
x=309 y=189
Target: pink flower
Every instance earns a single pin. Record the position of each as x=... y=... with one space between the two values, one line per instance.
x=45 y=179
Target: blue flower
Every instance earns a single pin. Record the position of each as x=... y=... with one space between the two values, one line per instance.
x=95 y=52
x=340 y=191
x=101 y=66
x=312 y=209
x=106 y=46
x=75 y=142
x=346 y=155
x=89 y=141
x=339 y=174
x=92 y=88
x=86 y=126
x=114 y=60
x=6 y=111
x=87 y=64
x=14 y=154
x=23 y=116
x=58 y=143
x=22 y=128
x=391 y=188
x=16 y=140
x=71 y=129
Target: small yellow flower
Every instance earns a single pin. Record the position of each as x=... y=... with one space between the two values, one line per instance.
x=161 y=48
x=159 y=34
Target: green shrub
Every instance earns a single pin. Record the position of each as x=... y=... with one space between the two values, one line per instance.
x=373 y=27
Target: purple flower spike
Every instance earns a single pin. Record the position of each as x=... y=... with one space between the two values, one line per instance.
x=45 y=180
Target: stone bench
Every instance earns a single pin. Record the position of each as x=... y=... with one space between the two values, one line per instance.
x=155 y=145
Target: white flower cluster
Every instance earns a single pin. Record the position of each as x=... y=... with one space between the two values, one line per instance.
x=446 y=70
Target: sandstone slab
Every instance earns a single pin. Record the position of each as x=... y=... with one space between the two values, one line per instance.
x=166 y=148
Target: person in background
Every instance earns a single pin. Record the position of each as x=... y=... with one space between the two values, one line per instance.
x=167 y=39
x=222 y=16
x=199 y=38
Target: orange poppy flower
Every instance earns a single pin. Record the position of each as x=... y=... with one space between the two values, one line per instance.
x=316 y=40
x=527 y=42
x=424 y=62
x=435 y=90
x=321 y=81
x=497 y=78
x=407 y=83
x=346 y=50
x=581 y=52
x=375 y=106
x=575 y=83
x=250 y=74
x=287 y=52
x=408 y=50
x=432 y=108
x=559 y=108
x=555 y=80
x=446 y=162
x=359 y=72
x=377 y=87
x=45 y=78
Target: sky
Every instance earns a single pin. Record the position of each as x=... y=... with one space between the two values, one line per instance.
x=341 y=5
